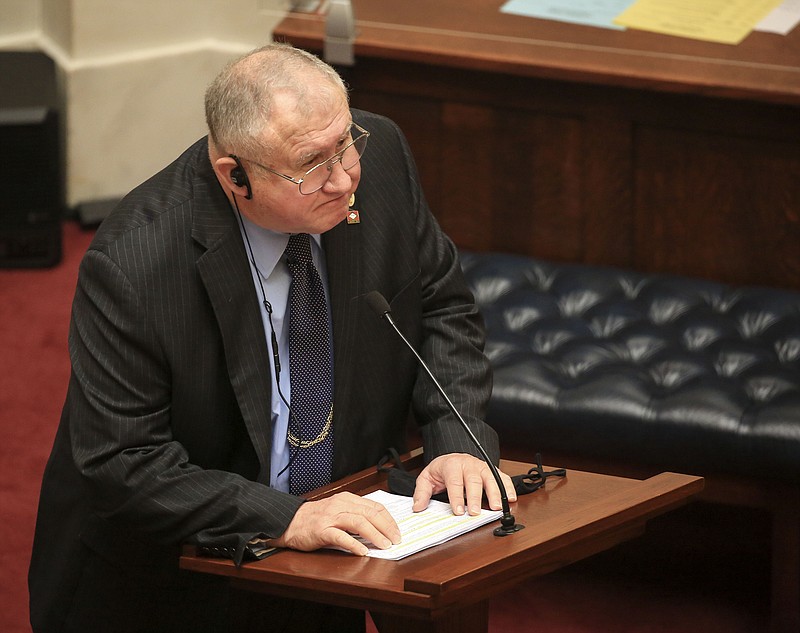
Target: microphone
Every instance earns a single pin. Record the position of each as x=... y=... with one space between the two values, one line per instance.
x=508 y=525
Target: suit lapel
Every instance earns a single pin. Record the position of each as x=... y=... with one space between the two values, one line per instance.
x=225 y=272
x=342 y=255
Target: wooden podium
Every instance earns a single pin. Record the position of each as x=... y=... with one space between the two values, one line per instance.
x=447 y=588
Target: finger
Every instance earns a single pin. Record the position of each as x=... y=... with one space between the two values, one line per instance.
x=474 y=489
x=511 y=492
x=342 y=540
x=455 y=494
x=493 y=494
x=362 y=527
x=370 y=520
x=423 y=491
x=384 y=522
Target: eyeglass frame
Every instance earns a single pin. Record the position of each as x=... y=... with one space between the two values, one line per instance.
x=337 y=157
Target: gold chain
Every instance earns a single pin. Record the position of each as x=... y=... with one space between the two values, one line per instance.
x=297 y=443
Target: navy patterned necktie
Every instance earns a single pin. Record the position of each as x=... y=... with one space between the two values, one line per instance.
x=310 y=434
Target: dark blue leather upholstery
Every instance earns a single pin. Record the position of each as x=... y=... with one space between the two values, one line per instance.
x=673 y=372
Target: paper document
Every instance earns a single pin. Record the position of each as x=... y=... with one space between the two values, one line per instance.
x=421 y=530
x=599 y=13
x=725 y=21
x=783 y=19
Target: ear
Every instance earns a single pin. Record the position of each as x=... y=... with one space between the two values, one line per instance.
x=232 y=176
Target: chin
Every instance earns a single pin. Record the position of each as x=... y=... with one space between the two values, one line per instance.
x=332 y=219
x=335 y=222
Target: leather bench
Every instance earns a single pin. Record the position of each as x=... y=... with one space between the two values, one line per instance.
x=630 y=373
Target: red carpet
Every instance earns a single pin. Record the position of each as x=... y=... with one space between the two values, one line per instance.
x=702 y=569
x=34 y=316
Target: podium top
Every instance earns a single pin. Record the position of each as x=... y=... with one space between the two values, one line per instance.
x=567 y=520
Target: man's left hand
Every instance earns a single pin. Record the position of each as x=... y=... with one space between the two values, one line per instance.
x=464 y=477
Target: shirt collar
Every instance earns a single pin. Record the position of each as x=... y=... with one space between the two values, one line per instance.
x=268 y=246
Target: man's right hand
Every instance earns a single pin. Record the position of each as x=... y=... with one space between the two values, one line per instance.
x=330 y=522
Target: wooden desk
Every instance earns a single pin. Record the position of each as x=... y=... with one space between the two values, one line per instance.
x=475 y=35
x=584 y=144
x=448 y=587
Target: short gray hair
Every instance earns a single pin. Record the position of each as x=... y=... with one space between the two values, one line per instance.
x=239 y=101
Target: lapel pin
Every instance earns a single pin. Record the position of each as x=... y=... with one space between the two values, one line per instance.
x=353 y=217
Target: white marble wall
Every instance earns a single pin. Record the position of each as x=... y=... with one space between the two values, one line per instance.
x=133 y=75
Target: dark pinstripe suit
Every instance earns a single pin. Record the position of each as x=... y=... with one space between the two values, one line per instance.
x=168 y=409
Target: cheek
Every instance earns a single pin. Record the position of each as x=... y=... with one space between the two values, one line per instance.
x=355 y=176
x=275 y=211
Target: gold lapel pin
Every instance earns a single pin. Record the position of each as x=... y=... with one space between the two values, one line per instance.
x=353 y=217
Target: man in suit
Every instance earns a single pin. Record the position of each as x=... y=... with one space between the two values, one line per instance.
x=175 y=429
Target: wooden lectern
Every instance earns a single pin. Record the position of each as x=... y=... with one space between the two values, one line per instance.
x=447 y=588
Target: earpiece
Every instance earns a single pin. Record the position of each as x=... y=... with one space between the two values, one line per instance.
x=239 y=176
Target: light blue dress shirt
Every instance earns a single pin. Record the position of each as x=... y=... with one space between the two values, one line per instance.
x=268 y=247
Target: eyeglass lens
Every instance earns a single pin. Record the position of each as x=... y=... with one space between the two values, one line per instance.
x=316 y=177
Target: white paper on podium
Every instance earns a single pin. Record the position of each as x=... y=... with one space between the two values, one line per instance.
x=421 y=530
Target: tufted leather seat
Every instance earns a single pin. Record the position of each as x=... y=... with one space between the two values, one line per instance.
x=673 y=372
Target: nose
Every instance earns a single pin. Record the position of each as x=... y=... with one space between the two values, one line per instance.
x=338 y=180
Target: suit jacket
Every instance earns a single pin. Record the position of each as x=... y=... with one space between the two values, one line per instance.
x=166 y=431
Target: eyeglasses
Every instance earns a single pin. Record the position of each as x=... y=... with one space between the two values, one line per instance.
x=316 y=177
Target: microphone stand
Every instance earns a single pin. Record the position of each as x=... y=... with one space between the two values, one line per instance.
x=508 y=524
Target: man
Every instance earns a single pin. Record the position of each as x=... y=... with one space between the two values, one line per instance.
x=179 y=426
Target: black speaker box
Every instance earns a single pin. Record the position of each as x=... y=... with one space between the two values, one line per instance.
x=32 y=200
x=30 y=187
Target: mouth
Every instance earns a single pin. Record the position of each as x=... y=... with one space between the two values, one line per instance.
x=342 y=201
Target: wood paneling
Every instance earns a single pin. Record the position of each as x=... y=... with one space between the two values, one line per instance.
x=729 y=205
x=630 y=149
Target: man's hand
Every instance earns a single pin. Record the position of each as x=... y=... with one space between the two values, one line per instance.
x=330 y=522
x=463 y=476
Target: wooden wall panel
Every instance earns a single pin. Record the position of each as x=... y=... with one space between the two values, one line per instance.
x=465 y=211
x=511 y=181
x=603 y=175
x=420 y=120
x=539 y=184
x=607 y=204
x=725 y=207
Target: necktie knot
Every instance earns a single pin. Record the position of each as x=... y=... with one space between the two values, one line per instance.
x=298 y=250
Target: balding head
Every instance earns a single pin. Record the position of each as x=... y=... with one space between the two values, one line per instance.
x=242 y=102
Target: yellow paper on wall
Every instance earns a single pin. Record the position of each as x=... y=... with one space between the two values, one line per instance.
x=725 y=21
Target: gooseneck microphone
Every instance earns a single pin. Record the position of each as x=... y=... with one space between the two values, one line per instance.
x=508 y=524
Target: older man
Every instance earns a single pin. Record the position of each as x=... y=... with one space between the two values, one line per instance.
x=224 y=361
